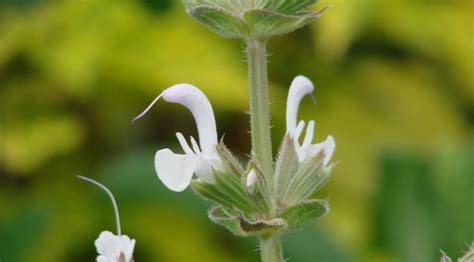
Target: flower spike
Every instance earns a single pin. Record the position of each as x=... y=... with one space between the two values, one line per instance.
x=300 y=87
x=176 y=170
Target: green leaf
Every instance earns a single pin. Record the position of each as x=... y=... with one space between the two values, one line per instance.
x=286 y=166
x=229 y=220
x=293 y=6
x=231 y=163
x=263 y=227
x=241 y=226
x=265 y=23
x=219 y=21
x=299 y=215
x=310 y=177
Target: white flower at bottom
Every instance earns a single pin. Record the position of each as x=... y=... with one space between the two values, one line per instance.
x=300 y=87
x=112 y=248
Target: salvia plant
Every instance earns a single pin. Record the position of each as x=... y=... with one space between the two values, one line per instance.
x=265 y=198
x=262 y=198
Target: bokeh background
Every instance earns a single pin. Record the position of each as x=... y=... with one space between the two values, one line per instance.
x=395 y=87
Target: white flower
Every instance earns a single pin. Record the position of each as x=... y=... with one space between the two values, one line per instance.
x=114 y=248
x=176 y=170
x=300 y=87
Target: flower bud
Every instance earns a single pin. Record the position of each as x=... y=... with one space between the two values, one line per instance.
x=251 y=181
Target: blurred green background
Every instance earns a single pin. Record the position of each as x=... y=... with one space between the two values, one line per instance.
x=395 y=87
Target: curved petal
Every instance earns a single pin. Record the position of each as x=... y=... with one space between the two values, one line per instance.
x=175 y=170
x=195 y=100
x=300 y=87
x=329 y=148
x=107 y=244
x=329 y=145
x=129 y=250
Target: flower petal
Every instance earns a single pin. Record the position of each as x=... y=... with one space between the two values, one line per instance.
x=329 y=148
x=300 y=87
x=309 y=134
x=107 y=244
x=195 y=100
x=175 y=170
x=102 y=259
x=329 y=145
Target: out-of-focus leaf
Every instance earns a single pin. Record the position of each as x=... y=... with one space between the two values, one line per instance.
x=20 y=233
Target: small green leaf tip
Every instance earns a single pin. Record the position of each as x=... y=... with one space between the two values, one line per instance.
x=258 y=19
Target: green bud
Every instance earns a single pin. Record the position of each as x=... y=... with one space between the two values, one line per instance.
x=258 y=19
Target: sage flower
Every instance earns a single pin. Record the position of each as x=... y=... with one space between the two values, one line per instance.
x=112 y=248
x=176 y=170
x=300 y=87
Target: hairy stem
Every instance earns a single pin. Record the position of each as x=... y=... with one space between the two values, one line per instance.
x=259 y=106
x=270 y=249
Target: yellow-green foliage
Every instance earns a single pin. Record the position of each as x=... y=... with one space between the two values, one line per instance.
x=392 y=77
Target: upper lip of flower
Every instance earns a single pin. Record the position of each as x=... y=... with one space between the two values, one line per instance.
x=300 y=87
x=176 y=170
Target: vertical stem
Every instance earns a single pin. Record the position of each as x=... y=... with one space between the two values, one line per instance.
x=270 y=249
x=259 y=106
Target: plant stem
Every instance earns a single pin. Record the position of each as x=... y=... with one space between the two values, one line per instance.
x=259 y=107
x=270 y=249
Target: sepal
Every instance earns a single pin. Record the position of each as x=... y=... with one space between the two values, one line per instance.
x=231 y=163
x=234 y=188
x=221 y=196
x=286 y=166
x=311 y=176
x=301 y=214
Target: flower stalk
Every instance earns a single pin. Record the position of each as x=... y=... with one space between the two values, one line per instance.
x=259 y=105
x=270 y=249
x=270 y=246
